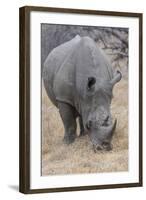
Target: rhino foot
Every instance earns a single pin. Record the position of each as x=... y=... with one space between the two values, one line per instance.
x=69 y=138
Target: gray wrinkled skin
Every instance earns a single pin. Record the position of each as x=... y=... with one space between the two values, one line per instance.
x=79 y=80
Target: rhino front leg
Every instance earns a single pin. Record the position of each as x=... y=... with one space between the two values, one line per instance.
x=82 y=130
x=67 y=114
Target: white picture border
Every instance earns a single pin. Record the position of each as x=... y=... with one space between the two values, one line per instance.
x=132 y=176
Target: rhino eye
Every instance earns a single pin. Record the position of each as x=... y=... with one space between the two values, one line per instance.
x=91 y=83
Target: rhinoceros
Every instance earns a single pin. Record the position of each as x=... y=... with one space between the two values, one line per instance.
x=79 y=80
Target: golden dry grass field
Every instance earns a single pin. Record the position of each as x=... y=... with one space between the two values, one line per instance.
x=79 y=157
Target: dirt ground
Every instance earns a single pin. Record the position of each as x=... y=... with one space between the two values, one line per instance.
x=78 y=157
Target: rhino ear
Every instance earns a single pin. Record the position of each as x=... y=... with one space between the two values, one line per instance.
x=91 y=83
x=117 y=77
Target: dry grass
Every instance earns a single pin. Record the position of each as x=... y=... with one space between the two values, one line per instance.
x=59 y=158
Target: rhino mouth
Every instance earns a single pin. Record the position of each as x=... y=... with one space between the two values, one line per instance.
x=101 y=136
x=105 y=146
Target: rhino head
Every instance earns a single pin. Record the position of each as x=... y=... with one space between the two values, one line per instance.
x=96 y=113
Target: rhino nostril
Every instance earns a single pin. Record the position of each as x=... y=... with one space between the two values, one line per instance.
x=105 y=144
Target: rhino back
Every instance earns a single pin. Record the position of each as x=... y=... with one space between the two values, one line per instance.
x=91 y=60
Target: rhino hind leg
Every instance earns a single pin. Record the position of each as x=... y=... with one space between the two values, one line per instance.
x=82 y=130
x=68 y=116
